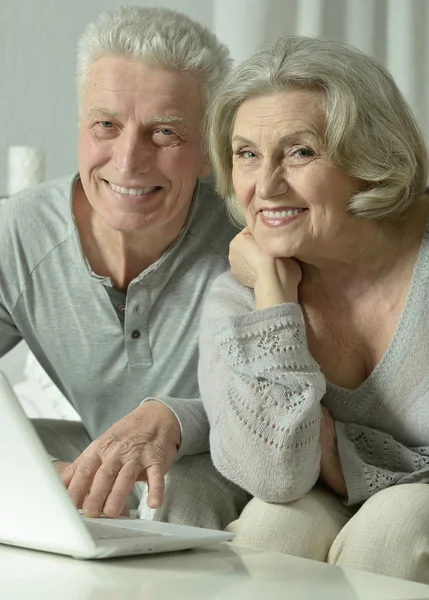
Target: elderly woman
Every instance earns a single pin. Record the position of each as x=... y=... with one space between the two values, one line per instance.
x=315 y=349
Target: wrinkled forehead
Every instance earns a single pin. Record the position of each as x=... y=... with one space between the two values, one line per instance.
x=113 y=80
x=279 y=112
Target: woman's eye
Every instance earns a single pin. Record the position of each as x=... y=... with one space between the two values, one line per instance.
x=245 y=154
x=303 y=153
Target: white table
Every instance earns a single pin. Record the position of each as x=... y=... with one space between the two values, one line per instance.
x=219 y=572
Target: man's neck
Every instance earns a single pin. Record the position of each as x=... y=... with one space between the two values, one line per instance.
x=119 y=255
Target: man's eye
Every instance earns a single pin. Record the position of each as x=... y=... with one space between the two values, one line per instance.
x=106 y=124
x=166 y=131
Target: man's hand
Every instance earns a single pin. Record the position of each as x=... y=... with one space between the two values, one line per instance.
x=330 y=466
x=60 y=466
x=140 y=447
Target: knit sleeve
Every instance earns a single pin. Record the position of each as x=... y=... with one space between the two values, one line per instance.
x=372 y=460
x=261 y=389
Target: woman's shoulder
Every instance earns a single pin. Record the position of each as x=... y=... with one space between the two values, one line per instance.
x=228 y=296
x=228 y=285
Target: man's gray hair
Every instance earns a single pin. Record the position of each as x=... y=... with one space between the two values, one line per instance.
x=370 y=132
x=158 y=36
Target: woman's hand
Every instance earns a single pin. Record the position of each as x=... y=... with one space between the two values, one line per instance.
x=330 y=466
x=246 y=258
x=275 y=280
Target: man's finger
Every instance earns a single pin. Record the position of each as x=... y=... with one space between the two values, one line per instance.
x=67 y=474
x=122 y=488
x=81 y=482
x=155 y=483
x=100 y=489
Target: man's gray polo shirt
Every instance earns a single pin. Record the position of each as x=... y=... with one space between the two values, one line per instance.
x=107 y=351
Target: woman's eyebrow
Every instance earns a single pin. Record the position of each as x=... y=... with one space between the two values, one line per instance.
x=284 y=139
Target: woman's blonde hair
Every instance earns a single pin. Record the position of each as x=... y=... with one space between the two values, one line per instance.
x=370 y=132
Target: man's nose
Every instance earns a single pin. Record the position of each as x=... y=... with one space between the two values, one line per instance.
x=132 y=154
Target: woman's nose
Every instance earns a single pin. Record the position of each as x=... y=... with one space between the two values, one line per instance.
x=271 y=182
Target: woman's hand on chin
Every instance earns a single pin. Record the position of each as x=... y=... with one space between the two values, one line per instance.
x=275 y=280
x=246 y=258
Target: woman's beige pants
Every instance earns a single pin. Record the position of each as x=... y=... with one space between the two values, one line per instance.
x=388 y=535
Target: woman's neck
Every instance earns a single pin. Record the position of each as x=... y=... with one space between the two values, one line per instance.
x=382 y=249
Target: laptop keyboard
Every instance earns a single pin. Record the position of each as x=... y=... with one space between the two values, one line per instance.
x=101 y=531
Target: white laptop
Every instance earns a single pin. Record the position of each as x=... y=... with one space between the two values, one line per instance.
x=36 y=511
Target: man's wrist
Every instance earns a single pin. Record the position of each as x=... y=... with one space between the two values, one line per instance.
x=167 y=413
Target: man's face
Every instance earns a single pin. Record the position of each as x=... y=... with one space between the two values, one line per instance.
x=140 y=143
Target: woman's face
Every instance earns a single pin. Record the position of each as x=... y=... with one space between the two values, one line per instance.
x=293 y=197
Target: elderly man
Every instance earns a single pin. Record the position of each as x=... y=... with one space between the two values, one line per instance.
x=104 y=273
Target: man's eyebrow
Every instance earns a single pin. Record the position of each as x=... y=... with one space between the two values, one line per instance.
x=103 y=111
x=165 y=119
x=152 y=120
x=284 y=139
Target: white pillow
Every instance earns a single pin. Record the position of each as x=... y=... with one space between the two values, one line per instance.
x=40 y=397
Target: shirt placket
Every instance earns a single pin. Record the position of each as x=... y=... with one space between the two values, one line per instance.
x=136 y=324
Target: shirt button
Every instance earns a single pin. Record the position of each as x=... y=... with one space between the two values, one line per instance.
x=121 y=308
x=135 y=334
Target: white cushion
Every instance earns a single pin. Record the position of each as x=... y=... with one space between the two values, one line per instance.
x=40 y=397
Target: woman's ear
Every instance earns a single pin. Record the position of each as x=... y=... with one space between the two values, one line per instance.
x=206 y=168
